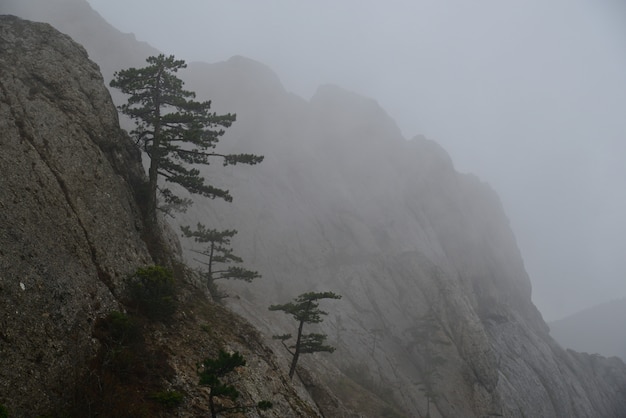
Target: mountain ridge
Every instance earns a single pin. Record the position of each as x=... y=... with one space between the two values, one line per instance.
x=594 y=330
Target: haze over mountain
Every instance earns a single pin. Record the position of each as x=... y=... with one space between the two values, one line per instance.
x=599 y=329
x=529 y=97
x=344 y=202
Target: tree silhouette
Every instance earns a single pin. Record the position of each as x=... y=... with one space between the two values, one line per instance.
x=305 y=310
x=218 y=254
x=213 y=371
x=174 y=130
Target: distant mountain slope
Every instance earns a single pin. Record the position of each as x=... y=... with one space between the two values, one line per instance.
x=600 y=329
x=343 y=202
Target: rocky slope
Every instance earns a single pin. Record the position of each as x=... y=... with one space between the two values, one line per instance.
x=342 y=202
x=65 y=165
x=71 y=232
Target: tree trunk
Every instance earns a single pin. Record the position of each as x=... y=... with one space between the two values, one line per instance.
x=296 y=353
x=212 y=407
x=210 y=272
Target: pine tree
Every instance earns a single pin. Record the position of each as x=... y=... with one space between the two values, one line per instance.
x=175 y=131
x=305 y=310
x=219 y=255
x=212 y=373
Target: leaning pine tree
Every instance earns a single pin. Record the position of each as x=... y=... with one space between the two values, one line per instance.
x=175 y=131
x=305 y=309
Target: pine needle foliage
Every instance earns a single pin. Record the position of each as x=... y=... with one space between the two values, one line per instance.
x=217 y=257
x=213 y=372
x=174 y=130
x=305 y=309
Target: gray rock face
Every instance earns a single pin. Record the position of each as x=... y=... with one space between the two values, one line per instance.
x=342 y=202
x=65 y=165
x=71 y=232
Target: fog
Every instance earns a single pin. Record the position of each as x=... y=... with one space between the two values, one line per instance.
x=530 y=96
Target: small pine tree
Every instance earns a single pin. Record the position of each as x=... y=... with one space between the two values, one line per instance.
x=212 y=373
x=219 y=255
x=305 y=310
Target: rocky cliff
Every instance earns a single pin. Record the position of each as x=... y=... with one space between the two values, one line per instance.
x=65 y=166
x=71 y=233
x=342 y=202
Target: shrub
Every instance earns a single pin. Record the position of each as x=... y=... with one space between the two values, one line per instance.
x=3 y=412
x=120 y=329
x=168 y=398
x=213 y=372
x=152 y=291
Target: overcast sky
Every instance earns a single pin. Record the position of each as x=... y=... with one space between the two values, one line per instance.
x=529 y=95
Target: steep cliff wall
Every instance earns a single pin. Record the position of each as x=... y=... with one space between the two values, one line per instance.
x=342 y=202
x=65 y=165
x=70 y=235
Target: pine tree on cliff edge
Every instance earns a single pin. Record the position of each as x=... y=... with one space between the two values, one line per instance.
x=305 y=309
x=175 y=131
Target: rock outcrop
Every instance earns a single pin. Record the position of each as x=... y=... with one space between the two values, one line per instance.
x=66 y=168
x=71 y=233
x=343 y=203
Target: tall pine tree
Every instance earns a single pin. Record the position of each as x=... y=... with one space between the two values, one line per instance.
x=175 y=131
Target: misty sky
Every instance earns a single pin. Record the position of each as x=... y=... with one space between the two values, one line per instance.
x=529 y=95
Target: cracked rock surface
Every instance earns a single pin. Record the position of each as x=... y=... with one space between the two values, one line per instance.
x=65 y=166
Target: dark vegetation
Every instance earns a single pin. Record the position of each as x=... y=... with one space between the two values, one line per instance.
x=152 y=292
x=175 y=131
x=217 y=256
x=213 y=373
x=130 y=375
x=126 y=377
x=305 y=310
x=168 y=398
